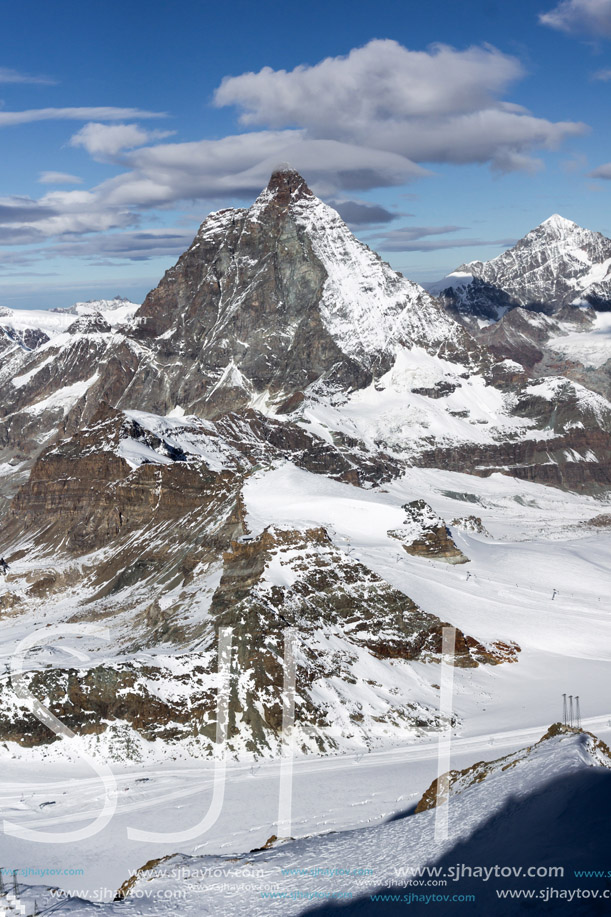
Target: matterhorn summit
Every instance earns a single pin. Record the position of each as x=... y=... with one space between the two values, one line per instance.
x=286 y=293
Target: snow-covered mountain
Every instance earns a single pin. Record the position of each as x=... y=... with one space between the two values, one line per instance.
x=557 y=264
x=273 y=300
x=118 y=309
x=131 y=435
x=543 y=303
x=30 y=328
x=280 y=310
x=292 y=443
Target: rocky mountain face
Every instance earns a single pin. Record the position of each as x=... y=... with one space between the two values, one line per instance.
x=274 y=299
x=129 y=436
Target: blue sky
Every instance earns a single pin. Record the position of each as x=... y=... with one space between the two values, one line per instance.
x=440 y=131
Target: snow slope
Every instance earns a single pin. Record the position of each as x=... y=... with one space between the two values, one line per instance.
x=51 y=323
x=590 y=346
x=116 y=311
x=366 y=306
x=546 y=802
x=397 y=413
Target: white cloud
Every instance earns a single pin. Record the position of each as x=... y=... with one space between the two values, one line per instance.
x=240 y=166
x=103 y=141
x=580 y=17
x=441 y=245
x=62 y=212
x=439 y=105
x=236 y=166
x=137 y=245
x=362 y=121
x=81 y=212
x=501 y=138
x=415 y=239
x=379 y=82
x=59 y=178
x=603 y=171
x=603 y=75
x=14 y=76
x=349 y=124
x=104 y=113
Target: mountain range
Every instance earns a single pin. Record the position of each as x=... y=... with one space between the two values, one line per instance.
x=544 y=303
x=290 y=443
x=133 y=435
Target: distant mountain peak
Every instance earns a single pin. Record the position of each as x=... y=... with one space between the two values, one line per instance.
x=558 y=222
x=557 y=264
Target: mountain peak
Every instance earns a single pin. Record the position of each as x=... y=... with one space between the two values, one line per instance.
x=287 y=185
x=555 y=265
x=558 y=223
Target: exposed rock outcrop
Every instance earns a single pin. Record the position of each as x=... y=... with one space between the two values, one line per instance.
x=425 y=534
x=470 y=524
x=281 y=585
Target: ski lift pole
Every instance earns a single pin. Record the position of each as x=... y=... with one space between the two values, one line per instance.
x=564 y=709
x=577 y=713
x=570 y=709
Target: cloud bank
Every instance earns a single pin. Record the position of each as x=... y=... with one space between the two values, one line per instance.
x=603 y=171
x=59 y=178
x=440 y=105
x=580 y=17
x=103 y=113
x=416 y=239
x=7 y=75
x=381 y=116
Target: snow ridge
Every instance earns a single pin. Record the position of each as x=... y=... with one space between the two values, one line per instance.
x=366 y=306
